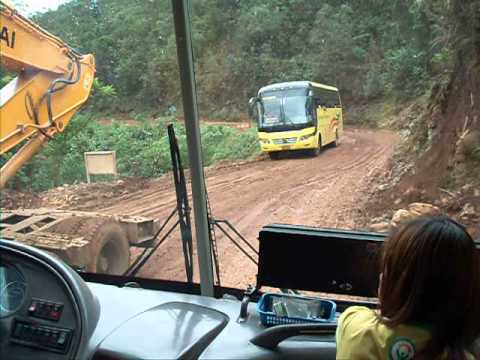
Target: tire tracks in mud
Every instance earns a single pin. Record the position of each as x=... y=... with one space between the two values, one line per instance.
x=329 y=190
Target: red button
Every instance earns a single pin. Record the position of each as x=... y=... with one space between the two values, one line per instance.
x=54 y=314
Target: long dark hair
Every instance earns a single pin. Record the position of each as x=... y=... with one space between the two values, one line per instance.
x=431 y=275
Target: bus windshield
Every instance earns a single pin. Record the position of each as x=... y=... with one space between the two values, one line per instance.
x=284 y=110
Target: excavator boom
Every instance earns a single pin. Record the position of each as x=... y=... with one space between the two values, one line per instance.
x=53 y=82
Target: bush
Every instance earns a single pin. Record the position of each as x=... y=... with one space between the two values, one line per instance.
x=406 y=72
x=476 y=154
x=141 y=150
x=103 y=97
x=375 y=83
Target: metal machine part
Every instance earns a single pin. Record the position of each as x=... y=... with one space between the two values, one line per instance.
x=53 y=83
x=86 y=240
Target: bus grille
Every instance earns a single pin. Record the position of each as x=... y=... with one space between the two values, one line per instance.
x=285 y=141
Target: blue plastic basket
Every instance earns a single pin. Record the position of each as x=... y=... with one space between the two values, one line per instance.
x=269 y=318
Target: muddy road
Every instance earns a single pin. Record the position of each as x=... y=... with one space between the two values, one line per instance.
x=329 y=190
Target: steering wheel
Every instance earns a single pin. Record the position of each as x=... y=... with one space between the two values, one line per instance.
x=46 y=309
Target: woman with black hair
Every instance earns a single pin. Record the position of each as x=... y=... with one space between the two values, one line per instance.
x=429 y=298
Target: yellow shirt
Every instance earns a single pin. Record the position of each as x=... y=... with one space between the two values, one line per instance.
x=361 y=336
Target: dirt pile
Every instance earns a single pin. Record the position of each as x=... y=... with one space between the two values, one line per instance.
x=12 y=199
x=438 y=159
x=389 y=206
x=73 y=197
x=401 y=216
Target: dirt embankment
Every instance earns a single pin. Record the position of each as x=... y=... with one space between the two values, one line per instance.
x=438 y=158
x=330 y=190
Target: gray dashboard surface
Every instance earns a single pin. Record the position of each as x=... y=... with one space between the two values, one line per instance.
x=149 y=324
x=182 y=330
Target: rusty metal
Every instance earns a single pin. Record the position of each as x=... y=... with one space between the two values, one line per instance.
x=39 y=228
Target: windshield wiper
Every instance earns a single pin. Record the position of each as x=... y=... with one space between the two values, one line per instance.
x=182 y=210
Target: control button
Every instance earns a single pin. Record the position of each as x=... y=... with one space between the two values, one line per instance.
x=33 y=307
x=36 y=333
x=45 y=337
x=53 y=337
x=62 y=338
x=45 y=310
x=27 y=332
x=54 y=315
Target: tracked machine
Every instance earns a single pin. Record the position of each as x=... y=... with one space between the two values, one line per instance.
x=53 y=82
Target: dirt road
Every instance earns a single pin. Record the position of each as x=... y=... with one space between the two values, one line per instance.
x=328 y=190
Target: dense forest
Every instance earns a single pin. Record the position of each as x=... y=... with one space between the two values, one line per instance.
x=367 y=48
x=420 y=52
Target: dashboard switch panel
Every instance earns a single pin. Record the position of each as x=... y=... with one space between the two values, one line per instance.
x=41 y=336
x=45 y=309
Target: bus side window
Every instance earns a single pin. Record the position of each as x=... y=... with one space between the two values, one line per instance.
x=332 y=102
x=330 y=98
x=336 y=99
x=311 y=109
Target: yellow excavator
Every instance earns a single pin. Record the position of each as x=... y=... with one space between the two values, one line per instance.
x=53 y=82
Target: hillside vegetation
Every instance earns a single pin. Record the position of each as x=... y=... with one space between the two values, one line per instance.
x=368 y=48
x=142 y=150
x=416 y=59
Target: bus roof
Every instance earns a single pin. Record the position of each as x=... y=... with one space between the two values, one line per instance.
x=296 y=84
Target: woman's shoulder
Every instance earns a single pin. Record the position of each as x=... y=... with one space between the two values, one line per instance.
x=360 y=315
x=362 y=335
x=357 y=322
x=357 y=334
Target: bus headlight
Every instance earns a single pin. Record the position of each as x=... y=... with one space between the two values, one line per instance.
x=264 y=141
x=306 y=137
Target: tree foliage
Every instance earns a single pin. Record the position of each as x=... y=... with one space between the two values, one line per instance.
x=367 y=48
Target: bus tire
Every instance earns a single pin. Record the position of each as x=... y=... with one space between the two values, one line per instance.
x=337 y=140
x=318 y=149
x=274 y=155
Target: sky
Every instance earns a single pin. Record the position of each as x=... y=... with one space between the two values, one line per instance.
x=31 y=6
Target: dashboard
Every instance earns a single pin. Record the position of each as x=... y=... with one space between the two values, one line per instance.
x=48 y=312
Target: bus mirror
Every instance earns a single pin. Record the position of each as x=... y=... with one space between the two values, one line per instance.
x=251 y=106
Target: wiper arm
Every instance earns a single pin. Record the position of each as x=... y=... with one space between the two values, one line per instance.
x=182 y=210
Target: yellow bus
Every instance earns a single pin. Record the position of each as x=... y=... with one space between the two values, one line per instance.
x=297 y=115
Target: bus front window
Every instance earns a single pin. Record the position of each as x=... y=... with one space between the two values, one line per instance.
x=271 y=114
x=284 y=110
x=295 y=110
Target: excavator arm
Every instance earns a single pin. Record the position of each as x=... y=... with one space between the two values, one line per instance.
x=53 y=82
